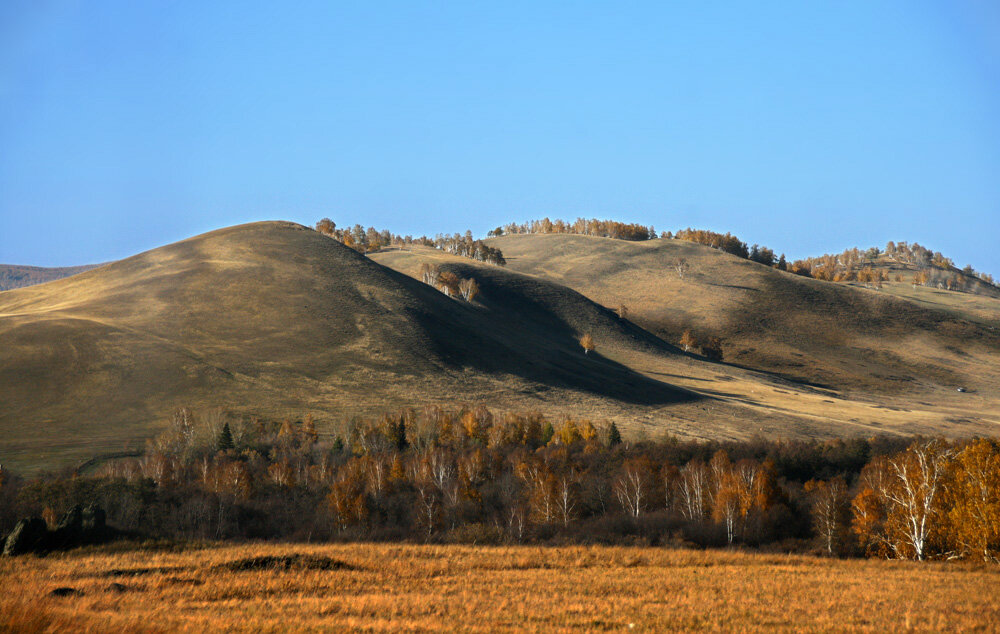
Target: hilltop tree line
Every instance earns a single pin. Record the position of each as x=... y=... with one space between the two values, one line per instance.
x=370 y=239
x=474 y=475
x=636 y=232
x=931 y=267
x=582 y=226
x=852 y=265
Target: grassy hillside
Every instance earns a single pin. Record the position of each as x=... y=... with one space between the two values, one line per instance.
x=835 y=335
x=874 y=360
x=278 y=320
x=17 y=276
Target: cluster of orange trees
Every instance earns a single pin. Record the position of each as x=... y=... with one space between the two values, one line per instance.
x=725 y=242
x=581 y=226
x=365 y=240
x=449 y=283
x=475 y=475
x=932 y=268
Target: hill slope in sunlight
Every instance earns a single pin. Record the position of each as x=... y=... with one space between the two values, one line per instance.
x=277 y=320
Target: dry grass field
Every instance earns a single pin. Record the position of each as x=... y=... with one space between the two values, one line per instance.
x=465 y=588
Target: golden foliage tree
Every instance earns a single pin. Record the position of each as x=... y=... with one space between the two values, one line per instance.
x=688 y=341
x=899 y=508
x=587 y=343
x=448 y=283
x=973 y=500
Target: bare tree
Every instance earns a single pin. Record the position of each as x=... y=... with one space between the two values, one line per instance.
x=829 y=511
x=694 y=489
x=681 y=266
x=429 y=274
x=632 y=486
x=566 y=485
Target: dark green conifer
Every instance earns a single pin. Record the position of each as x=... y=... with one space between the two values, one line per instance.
x=614 y=436
x=225 y=442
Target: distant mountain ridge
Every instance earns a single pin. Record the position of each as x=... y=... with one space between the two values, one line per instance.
x=19 y=276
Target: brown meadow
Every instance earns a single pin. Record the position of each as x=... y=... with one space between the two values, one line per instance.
x=469 y=588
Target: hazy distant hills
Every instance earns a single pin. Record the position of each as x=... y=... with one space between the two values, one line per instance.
x=18 y=276
x=276 y=320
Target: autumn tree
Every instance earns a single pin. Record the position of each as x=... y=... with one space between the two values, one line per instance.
x=899 y=506
x=587 y=343
x=448 y=283
x=543 y=489
x=326 y=227
x=973 y=500
x=688 y=341
x=469 y=289
x=915 y=493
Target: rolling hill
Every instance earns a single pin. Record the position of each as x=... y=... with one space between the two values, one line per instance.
x=838 y=336
x=277 y=320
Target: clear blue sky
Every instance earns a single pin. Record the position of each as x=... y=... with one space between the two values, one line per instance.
x=805 y=126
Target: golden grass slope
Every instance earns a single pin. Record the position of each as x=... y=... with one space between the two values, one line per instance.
x=739 y=402
x=490 y=589
x=277 y=320
x=834 y=335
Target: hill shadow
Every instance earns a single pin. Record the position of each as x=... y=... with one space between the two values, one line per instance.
x=522 y=326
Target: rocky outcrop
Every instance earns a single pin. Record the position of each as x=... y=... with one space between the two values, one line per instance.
x=29 y=535
x=77 y=527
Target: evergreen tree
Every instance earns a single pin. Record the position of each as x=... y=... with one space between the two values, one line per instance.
x=400 y=439
x=225 y=441
x=614 y=436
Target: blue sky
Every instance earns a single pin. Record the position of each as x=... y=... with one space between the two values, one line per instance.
x=805 y=126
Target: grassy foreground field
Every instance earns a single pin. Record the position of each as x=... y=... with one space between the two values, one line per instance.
x=447 y=588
